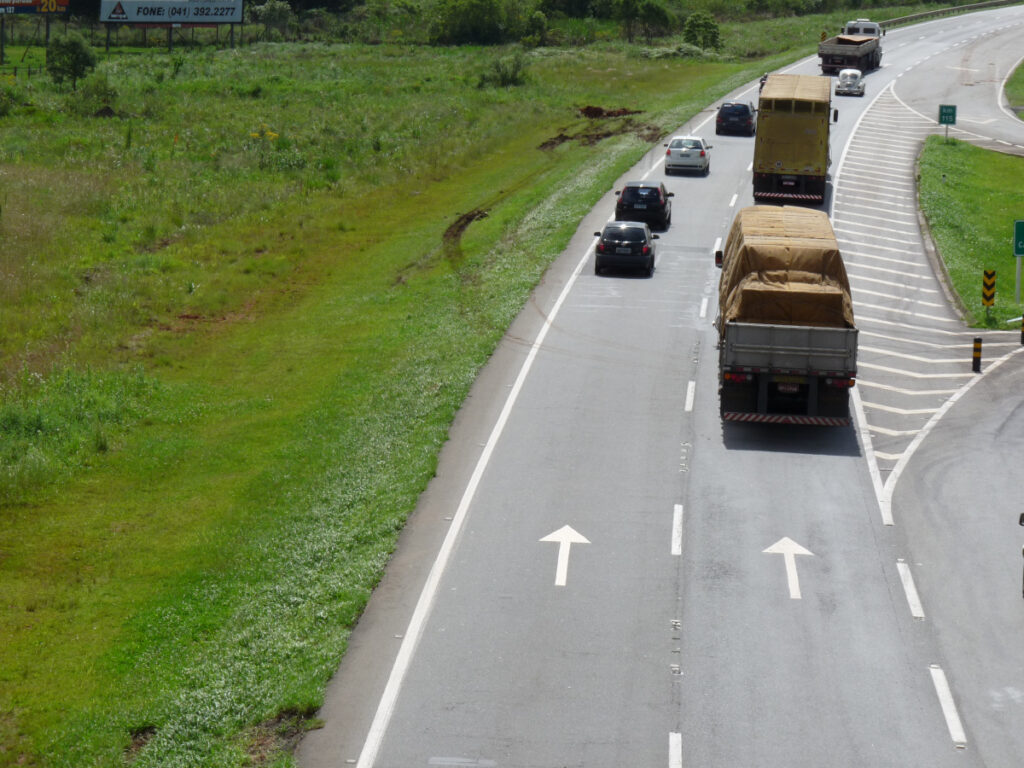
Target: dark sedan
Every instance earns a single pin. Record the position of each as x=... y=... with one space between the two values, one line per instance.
x=625 y=245
x=644 y=201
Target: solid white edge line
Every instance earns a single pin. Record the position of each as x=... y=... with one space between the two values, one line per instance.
x=691 y=389
x=913 y=600
x=675 y=750
x=414 y=631
x=953 y=724
x=894 y=476
x=677 y=530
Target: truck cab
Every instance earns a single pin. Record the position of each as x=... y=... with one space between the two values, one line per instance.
x=863 y=27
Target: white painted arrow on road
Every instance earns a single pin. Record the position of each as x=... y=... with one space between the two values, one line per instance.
x=565 y=537
x=789 y=549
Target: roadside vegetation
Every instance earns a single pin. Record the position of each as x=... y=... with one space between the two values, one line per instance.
x=244 y=292
x=1015 y=91
x=971 y=238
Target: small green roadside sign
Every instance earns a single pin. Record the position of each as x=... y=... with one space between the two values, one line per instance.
x=1018 y=237
x=947 y=114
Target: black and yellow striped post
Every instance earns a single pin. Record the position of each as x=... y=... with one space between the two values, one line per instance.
x=988 y=290
x=976 y=357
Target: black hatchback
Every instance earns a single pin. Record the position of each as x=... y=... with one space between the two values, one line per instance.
x=625 y=244
x=644 y=201
x=736 y=117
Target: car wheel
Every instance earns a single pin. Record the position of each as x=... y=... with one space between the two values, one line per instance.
x=707 y=169
x=650 y=268
x=597 y=267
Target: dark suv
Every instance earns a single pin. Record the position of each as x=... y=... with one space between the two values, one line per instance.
x=644 y=201
x=625 y=244
x=736 y=117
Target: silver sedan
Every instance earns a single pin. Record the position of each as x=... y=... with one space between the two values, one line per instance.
x=688 y=153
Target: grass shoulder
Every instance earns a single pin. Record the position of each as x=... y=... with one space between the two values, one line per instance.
x=970 y=238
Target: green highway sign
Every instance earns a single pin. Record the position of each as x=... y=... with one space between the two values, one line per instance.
x=947 y=114
x=1018 y=238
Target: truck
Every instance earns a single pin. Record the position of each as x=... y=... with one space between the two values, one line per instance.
x=858 y=46
x=791 y=152
x=787 y=340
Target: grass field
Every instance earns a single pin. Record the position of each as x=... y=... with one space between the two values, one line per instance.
x=973 y=237
x=244 y=293
x=1015 y=91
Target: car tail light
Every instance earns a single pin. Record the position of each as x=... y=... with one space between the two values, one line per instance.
x=668 y=153
x=702 y=153
x=600 y=247
x=646 y=250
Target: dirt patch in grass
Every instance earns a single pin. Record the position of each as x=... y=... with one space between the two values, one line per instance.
x=591 y=136
x=140 y=738
x=264 y=742
x=595 y=112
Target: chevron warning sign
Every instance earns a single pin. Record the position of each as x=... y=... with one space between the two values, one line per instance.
x=988 y=288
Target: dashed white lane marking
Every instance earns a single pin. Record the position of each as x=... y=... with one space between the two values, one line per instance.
x=888 y=457
x=703 y=308
x=677 y=530
x=691 y=389
x=675 y=750
x=953 y=724
x=916 y=609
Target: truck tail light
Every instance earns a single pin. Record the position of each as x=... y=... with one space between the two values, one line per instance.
x=737 y=378
x=840 y=383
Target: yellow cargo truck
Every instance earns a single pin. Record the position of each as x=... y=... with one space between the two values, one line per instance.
x=791 y=154
x=787 y=342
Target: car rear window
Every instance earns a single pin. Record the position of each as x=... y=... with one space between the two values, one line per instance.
x=629 y=234
x=734 y=109
x=634 y=194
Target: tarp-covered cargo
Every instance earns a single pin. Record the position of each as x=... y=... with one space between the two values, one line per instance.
x=782 y=266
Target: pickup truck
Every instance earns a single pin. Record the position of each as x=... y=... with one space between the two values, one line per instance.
x=787 y=340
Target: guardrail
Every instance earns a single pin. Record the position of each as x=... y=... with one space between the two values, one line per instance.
x=916 y=17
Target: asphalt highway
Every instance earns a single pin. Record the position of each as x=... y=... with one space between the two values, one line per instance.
x=604 y=574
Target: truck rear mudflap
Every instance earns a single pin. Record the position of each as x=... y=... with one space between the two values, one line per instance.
x=778 y=187
x=787 y=418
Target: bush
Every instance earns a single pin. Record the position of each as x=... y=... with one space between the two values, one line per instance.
x=476 y=21
x=701 y=30
x=536 y=30
x=506 y=71
x=275 y=16
x=69 y=57
x=95 y=96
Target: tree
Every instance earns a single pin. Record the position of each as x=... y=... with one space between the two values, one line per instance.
x=69 y=57
x=701 y=30
x=274 y=14
x=628 y=12
x=654 y=18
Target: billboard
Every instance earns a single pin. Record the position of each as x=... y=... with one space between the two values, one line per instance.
x=33 y=6
x=165 y=12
